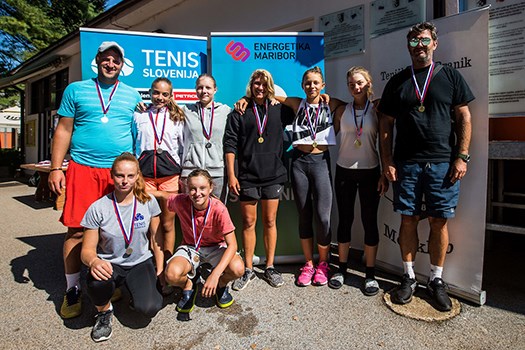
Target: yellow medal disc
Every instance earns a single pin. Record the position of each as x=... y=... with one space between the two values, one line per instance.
x=421 y=108
x=260 y=139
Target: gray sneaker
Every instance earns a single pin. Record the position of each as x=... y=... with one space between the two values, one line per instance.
x=273 y=277
x=242 y=282
x=102 y=329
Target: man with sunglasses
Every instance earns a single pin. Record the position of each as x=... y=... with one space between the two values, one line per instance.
x=429 y=105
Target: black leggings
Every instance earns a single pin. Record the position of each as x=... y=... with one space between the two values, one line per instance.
x=141 y=281
x=347 y=182
x=312 y=188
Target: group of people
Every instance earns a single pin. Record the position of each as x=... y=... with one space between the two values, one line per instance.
x=134 y=168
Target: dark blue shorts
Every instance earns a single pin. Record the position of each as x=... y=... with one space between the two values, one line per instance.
x=425 y=188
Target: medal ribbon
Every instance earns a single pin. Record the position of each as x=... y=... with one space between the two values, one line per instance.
x=202 y=111
x=128 y=237
x=421 y=94
x=105 y=108
x=260 y=128
x=154 y=125
x=194 y=224
x=359 y=129
x=312 y=125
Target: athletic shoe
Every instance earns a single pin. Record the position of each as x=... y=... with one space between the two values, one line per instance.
x=403 y=293
x=370 y=287
x=336 y=281
x=117 y=295
x=72 y=304
x=102 y=329
x=186 y=303
x=273 y=277
x=244 y=280
x=305 y=278
x=437 y=290
x=224 y=298
x=321 y=274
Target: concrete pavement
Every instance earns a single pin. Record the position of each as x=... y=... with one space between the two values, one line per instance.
x=261 y=318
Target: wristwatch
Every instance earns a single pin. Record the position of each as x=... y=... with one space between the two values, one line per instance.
x=464 y=157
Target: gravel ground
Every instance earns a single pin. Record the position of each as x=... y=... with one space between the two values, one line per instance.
x=262 y=317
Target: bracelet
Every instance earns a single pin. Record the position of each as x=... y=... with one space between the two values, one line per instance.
x=53 y=169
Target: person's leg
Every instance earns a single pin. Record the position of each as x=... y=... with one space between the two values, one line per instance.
x=179 y=271
x=302 y=195
x=438 y=241
x=345 y=193
x=269 y=213
x=100 y=293
x=141 y=281
x=249 y=238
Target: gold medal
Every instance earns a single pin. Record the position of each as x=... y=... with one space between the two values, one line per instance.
x=314 y=144
x=196 y=258
x=357 y=143
x=421 y=108
x=260 y=139
x=129 y=250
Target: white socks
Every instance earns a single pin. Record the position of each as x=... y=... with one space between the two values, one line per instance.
x=408 y=268
x=435 y=272
x=73 y=279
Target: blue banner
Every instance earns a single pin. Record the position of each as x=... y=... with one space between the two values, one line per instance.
x=149 y=56
x=285 y=55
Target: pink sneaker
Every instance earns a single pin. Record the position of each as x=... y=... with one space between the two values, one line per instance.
x=305 y=278
x=321 y=274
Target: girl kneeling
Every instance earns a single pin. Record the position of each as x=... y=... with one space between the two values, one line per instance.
x=116 y=247
x=208 y=236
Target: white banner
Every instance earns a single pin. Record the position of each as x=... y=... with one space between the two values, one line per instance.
x=462 y=43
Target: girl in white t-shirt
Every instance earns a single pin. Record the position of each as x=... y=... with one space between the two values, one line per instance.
x=159 y=146
x=358 y=170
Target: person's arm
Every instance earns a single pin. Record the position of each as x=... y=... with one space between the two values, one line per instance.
x=157 y=243
x=60 y=145
x=386 y=131
x=463 y=134
x=100 y=269
x=233 y=182
x=213 y=280
x=338 y=114
x=292 y=102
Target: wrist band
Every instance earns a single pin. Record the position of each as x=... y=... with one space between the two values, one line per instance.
x=53 y=169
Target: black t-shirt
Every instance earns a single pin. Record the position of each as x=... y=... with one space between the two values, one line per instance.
x=429 y=135
x=259 y=164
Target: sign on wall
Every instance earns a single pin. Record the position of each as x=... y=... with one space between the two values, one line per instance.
x=344 y=32
x=389 y=15
x=468 y=53
x=149 y=56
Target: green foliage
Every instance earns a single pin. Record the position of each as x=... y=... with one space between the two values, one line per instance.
x=28 y=26
x=9 y=97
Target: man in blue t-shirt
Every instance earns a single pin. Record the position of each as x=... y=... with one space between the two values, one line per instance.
x=429 y=104
x=96 y=123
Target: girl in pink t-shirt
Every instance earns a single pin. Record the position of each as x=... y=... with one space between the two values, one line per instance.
x=208 y=236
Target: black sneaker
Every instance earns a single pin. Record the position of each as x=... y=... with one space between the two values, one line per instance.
x=186 y=303
x=437 y=290
x=273 y=277
x=102 y=329
x=403 y=293
x=224 y=298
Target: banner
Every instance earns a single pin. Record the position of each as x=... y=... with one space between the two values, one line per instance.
x=459 y=48
x=149 y=56
x=286 y=56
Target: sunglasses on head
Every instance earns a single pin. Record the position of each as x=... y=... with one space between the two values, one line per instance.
x=415 y=41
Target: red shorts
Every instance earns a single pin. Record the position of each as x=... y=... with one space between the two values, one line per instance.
x=84 y=185
x=167 y=183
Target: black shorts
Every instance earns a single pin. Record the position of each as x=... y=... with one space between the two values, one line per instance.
x=261 y=192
